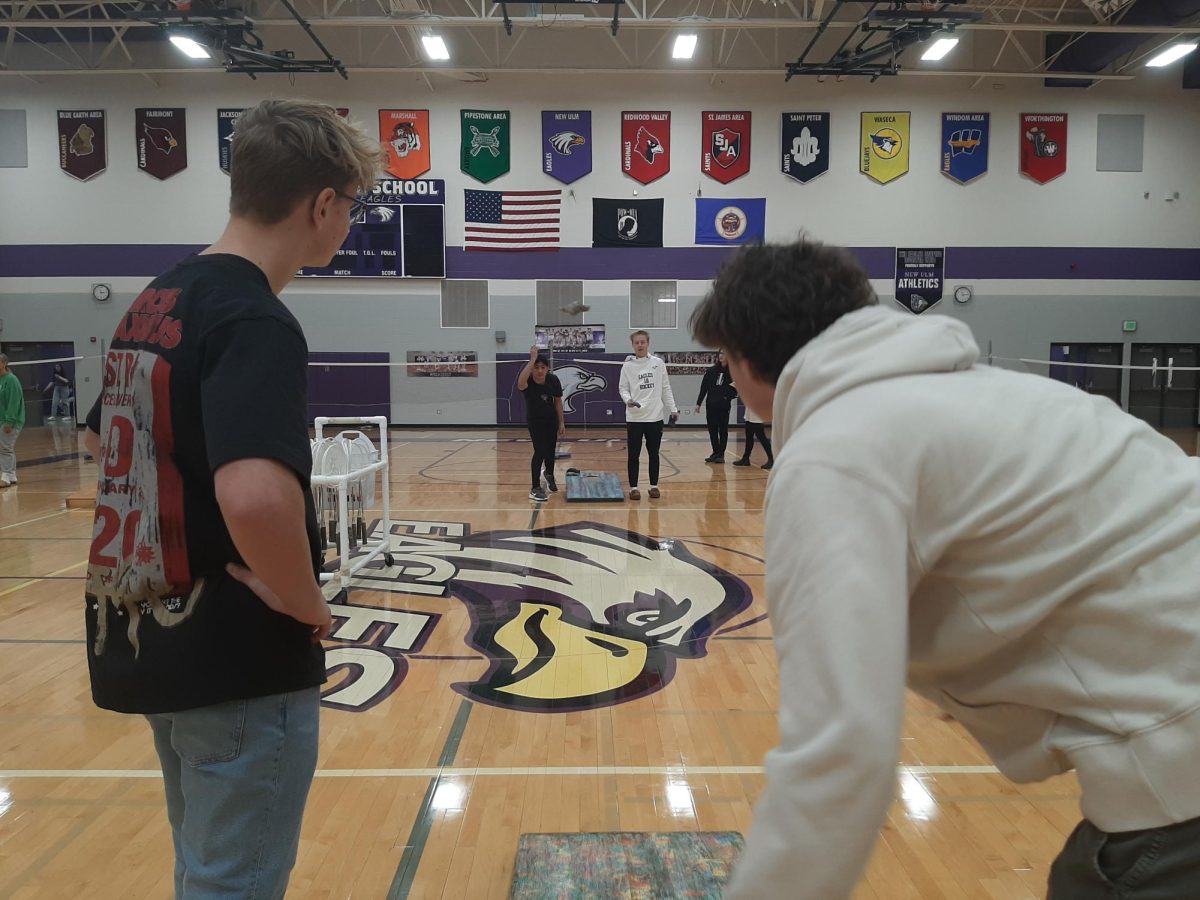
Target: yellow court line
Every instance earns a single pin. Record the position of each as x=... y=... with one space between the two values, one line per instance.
x=25 y=584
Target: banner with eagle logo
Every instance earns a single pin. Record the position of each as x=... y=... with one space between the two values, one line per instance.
x=160 y=137
x=82 y=143
x=725 y=145
x=883 y=143
x=645 y=145
x=404 y=134
x=567 y=144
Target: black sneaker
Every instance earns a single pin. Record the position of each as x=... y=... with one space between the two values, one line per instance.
x=539 y=495
x=769 y=464
x=551 y=484
x=741 y=462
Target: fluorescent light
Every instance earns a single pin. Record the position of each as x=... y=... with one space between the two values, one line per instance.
x=1171 y=54
x=940 y=48
x=666 y=299
x=685 y=46
x=189 y=47
x=435 y=47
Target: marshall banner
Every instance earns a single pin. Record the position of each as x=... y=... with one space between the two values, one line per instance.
x=724 y=222
x=160 y=137
x=82 y=147
x=805 y=145
x=645 y=145
x=883 y=145
x=965 y=139
x=725 y=145
x=627 y=223
x=404 y=134
x=485 y=143
x=567 y=144
x=1043 y=145
x=226 y=123
x=919 y=277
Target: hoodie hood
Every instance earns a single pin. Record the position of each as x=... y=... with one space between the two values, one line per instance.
x=862 y=347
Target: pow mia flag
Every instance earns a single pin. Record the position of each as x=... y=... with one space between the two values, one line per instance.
x=627 y=223
x=805 y=145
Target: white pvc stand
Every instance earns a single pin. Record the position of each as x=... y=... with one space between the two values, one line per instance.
x=346 y=570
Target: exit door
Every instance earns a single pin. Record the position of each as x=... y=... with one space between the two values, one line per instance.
x=1161 y=393
x=1095 y=368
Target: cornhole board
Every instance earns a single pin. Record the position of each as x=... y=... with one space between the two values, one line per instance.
x=590 y=487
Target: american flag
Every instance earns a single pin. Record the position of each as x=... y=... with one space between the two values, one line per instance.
x=513 y=220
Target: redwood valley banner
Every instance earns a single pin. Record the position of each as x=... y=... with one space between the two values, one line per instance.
x=645 y=145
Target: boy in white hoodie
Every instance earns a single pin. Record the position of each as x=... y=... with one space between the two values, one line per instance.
x=1025 y=555
x=646 y=390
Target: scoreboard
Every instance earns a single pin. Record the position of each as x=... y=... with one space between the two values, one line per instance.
x=401 y=233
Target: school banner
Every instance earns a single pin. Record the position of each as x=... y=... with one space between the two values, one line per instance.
x=226 y=123
x=965 y=140
x=82 y=144
x=725 y=145
x=404 y=134
x=566 y=144
x=883 y=144
x=485 y=143
x=645 y=145
x=920 y=274
x=805 y=145
x=1043 y=145
x=160 y=137
x=722 y=222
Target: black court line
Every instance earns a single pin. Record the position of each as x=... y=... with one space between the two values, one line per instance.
x=534 y=517
x=417 y=838
x=50 y=459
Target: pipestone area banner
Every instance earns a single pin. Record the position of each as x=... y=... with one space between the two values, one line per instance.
x=965 y=140
x=82 y=144
x=226 y=124
x=161 y=141
x=485 y=143
x=567 y=144
x=645 y=145
x=725 y=145
x=883 y=145
x=439 y=364
x=1043 y=145
x=404 y=134
x=919 y=277
x=805 y=145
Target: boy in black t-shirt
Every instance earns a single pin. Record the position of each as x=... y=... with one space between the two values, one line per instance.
x=544 y=415
x=204 y=612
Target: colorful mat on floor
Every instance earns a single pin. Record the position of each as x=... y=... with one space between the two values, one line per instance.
x=633 y=865
x=594 y=486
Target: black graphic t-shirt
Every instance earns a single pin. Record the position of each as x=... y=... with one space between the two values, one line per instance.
x=539 y=398
x=207 y=367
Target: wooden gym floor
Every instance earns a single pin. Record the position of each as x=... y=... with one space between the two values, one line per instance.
x=444 y=739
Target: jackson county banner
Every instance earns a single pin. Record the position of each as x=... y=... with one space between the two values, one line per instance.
x=965 y=140
x=82 y=145
x=404 y=134
x=725 y=145
x=566 y=144
x=645 y=145
x=485 y=143
x=160 y=137
x=884 y=145
x=724 y=222
x=1043 y=145
x=919 y=277
x=226 y=123
x=805 y=145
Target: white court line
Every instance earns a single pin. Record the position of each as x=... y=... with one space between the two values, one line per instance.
x=468 y=772
x=62 y=512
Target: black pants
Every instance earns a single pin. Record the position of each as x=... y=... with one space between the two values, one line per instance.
x=759 y=430
x=718 y=428
x=635 y=432
x=544 y=434
x=1155 y=864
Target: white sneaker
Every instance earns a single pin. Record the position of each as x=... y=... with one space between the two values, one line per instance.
x=5 y=481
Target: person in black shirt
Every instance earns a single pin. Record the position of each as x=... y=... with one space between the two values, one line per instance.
x=717 y=388
x=203 y=607
x=544 y=415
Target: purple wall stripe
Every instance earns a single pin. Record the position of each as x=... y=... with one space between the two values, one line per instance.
x=683 y=263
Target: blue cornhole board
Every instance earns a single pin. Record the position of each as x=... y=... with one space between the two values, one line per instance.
x=594 y=486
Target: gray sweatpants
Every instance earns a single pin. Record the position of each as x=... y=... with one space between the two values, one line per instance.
x=1155 y=864
x=8 y=455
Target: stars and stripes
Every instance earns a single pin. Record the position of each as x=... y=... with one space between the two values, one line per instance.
x=512 y=220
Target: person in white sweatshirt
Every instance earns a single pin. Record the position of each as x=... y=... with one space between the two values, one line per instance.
x=1023 y=554
x=645 y=389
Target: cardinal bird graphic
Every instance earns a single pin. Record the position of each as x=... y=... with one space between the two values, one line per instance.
x=160 y=139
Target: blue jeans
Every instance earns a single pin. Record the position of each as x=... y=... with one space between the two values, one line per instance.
x=237 y=776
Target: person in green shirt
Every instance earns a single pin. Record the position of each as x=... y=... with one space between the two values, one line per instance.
x=12 y=420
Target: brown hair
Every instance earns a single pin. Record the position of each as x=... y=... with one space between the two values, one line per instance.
x=285 y=151
x=644 y=334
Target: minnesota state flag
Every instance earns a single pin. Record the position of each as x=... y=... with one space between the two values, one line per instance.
x=883 y=145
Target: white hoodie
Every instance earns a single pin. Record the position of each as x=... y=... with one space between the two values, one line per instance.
x=1028 y=556
x=645 y=380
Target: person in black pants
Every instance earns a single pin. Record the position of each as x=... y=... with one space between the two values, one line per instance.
x=544 y=415
x=717 y=388
x=755 y=429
